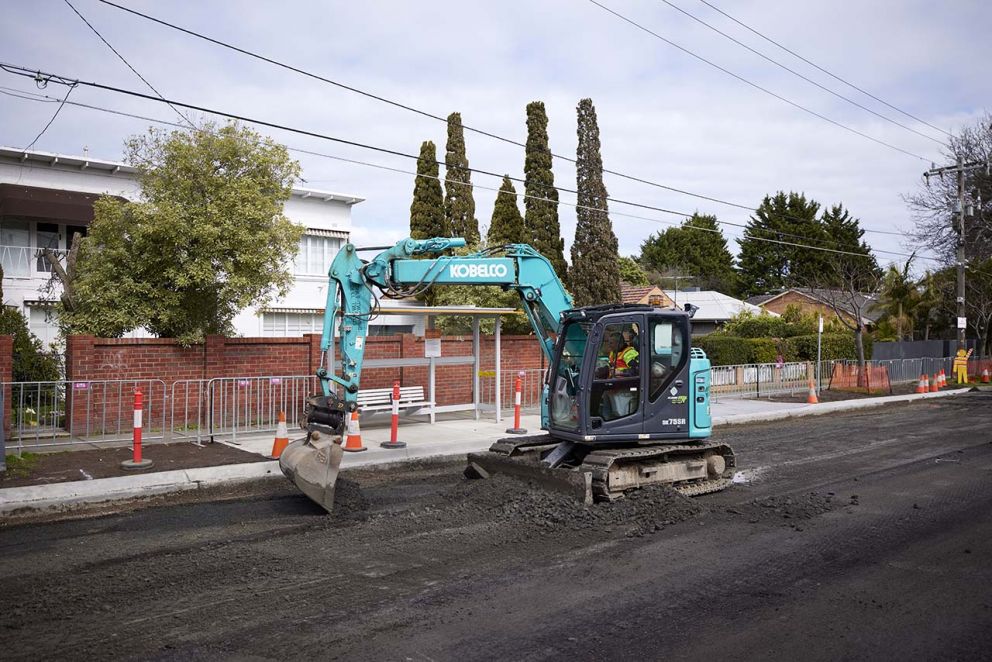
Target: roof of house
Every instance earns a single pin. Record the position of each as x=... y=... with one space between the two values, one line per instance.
x=635 y=293
x=81 y=163
x=845 y=301
x=713 y=306
x=759 y=299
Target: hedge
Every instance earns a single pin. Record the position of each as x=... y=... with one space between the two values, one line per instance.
x=725 y=349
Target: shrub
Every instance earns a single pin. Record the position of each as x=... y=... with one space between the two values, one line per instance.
x=31 y=362
x=748 y=325
x=723 y=349
x=835 y=346
x=762 y=350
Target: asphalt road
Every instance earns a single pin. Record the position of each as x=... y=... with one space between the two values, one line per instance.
x=860 y=536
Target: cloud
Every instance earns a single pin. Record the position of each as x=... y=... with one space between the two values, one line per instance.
x=663 y=115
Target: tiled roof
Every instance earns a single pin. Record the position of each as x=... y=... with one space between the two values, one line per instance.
x=634 y=293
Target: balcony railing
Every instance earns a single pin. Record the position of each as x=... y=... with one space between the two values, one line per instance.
x=26 y=261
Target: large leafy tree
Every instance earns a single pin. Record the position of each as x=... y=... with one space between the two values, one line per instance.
x=507 y=224
x=632 y=272
x=459 y=205
x=541 y=203
x=207 y=238
x=696 y=249
x=844 y=233
x=595 y=275
x=766 y=266
x=427 y=218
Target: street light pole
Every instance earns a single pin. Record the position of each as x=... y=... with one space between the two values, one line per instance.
x=962 y=311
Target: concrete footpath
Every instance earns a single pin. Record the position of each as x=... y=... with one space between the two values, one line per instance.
x=443 y=439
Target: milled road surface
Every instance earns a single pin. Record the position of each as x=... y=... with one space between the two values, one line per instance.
x=860 y=536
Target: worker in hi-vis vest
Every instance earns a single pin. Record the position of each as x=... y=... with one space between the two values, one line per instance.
x=961 y=365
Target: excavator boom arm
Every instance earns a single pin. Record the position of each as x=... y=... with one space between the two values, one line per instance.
x=397 y=272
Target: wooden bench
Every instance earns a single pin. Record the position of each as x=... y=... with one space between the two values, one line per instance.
x=376 y=400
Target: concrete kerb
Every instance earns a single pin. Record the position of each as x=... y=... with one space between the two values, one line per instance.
x=66 y=496
x=831 y=407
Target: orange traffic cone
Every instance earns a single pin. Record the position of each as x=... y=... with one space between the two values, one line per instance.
x=811 y=398
x=282 y=437
x=985 y=376
x=943 y=379
x=921 y=386
x=353 y=435
x=935 y=384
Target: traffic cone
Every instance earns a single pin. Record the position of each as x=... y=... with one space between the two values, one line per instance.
x=282 y=437
x=985 y=376
x=943 y=379
x=921 y=386
x=811 y=398
x=935 y=384
x=353 y=435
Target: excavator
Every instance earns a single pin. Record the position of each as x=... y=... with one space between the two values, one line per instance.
x=625 y=401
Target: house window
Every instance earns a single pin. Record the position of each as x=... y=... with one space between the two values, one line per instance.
x=287 y=325
x=15 y=248
x=315 y=255
x=41 y=326
x=390 y=329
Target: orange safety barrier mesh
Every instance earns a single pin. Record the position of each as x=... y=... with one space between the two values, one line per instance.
x=975 y=368
x=852 y=377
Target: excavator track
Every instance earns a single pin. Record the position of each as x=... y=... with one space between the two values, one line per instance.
x=605 y=474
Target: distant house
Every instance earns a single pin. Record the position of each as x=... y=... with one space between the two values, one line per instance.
x=646 y=294
x=822 y=301
x=715 y=308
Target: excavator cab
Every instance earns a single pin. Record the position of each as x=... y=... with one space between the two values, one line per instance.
x=626 y=373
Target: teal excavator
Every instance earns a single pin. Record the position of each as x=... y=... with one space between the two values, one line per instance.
x=625 y=402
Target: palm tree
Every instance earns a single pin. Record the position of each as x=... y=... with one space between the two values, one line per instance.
x=899 y=299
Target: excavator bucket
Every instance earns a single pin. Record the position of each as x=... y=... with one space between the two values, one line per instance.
x=313 y=467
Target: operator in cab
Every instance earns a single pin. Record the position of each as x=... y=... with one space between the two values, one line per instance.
x=627 y=359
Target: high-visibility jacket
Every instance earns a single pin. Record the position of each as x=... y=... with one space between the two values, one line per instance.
x=625 y=358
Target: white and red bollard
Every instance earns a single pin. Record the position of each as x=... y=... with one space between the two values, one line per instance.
x=137 y=462
x=395 y=425
x=517 y=388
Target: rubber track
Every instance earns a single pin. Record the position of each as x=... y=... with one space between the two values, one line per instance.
x=600 y=462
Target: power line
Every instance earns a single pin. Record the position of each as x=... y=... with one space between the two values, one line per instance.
x=54 y=115
x=124 y=60
x=796 y=73
x=424 y=113
x=28 y=73
x=829 y=73
x=755 y=85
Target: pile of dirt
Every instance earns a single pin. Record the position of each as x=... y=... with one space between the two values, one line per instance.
x=505 y=499
x=790 y=509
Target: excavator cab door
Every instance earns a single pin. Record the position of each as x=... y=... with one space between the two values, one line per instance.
x=616 y=381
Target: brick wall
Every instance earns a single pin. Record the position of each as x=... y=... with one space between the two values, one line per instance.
x=7 y=375
x=806 y=304
x=90 y=359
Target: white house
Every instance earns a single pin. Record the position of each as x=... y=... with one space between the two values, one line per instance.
x=45 y=198
x=715 y=308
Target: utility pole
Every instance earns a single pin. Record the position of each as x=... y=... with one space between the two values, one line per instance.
x=959 y=169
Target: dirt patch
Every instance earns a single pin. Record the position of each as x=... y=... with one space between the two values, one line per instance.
x=790 y=510
x=835 y=395
x=45 y=468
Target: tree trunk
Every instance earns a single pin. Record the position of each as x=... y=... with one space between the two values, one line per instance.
x=860 y=347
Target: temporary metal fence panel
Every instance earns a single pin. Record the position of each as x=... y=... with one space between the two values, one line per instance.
x=759 y=379
x=250 y=405
x=532 y=384
x=58 y=414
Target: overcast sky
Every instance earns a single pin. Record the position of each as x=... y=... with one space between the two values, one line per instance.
x=663 y=115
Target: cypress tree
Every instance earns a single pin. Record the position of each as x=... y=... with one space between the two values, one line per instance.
x=541 y=203
x=507 y=225
x=427 y=210
x=459 y=205
x=595 y=274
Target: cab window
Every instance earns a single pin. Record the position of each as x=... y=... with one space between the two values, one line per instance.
x=667 y=348
x=616 y=385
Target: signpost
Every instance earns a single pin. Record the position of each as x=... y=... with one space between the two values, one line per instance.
x=819 y=340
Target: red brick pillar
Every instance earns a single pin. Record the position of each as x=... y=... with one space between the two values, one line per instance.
x=7 y=376
x=213 y=357
x=314 y=362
